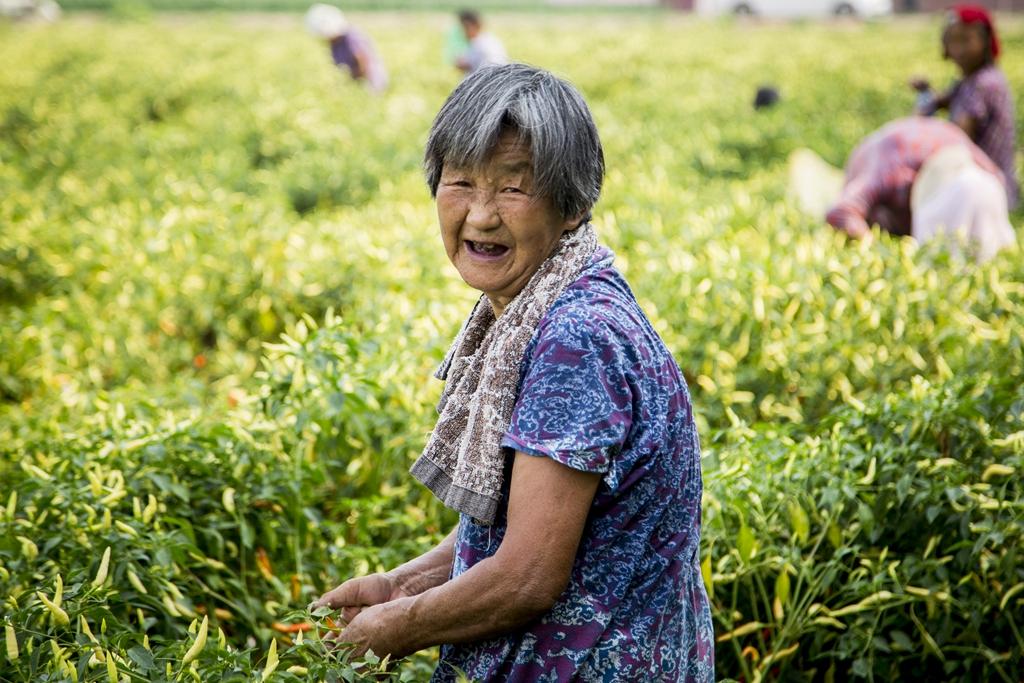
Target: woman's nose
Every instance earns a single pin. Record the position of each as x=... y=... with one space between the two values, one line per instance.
x=483 y=211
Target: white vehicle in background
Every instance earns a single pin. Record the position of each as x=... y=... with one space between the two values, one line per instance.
x=40 y=10
x=796 y=9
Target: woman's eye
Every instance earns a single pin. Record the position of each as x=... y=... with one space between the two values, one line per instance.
x=514 y=190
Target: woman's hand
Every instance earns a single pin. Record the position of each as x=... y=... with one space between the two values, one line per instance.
x=379 y=628
x=920 y=84
x=549 y=504
x=353 y=596
x=367 y=610
x=373 y=607
x=371 y=611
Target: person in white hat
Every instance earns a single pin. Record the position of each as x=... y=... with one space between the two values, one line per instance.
x=923 y=177
x=350 y=47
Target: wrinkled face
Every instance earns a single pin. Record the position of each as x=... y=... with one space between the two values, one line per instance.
x=966 y=45
x=496 y=231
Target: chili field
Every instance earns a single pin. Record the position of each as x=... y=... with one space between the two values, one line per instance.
x=223 y=293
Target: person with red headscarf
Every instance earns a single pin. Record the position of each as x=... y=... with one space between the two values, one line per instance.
x=980 y=102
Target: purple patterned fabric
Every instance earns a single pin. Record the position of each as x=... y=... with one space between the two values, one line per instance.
x=601 y=393
x=348 y=49
x=985 y=97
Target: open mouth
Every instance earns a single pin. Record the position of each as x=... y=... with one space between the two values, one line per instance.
x=486 y=249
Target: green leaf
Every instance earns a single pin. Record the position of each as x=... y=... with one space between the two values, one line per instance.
x=142 y=657
x=707 y=575
x=902 y=641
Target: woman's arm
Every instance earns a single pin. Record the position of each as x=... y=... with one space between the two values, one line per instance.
x=929 y=101
x=430 y=569
x=363 y=62
x=942 y=100
x=547 y=512
x=849 y=214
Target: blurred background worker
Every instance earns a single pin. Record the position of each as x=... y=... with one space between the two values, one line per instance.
x=455 y=43
x=767 y=96
x=484 y=47
x=921 y=177
x=980 y=102
x=349 y=46
x=47 y=11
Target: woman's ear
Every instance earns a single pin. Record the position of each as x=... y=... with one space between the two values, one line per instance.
x=573 y=222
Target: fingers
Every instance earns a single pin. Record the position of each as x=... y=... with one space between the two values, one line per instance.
x=345 y=595
x=361 y=592
x=333 y=640
x=337 y=640
x=918 y=83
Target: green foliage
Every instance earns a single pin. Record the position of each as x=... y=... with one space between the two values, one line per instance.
x=244 y=515
x=878 y=547
x=223 y=295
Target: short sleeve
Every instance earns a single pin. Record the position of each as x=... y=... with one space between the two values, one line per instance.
x=976 y=100
x=575 y=401
x=474 y=56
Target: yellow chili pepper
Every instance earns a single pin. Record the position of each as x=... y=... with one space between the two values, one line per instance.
x=85 y=628
x=28 y=548
x=136 y=583
x=271 y=660
x=200 y=643
x=101 y=573
x=228 y=499
x=12 y=643
x=150 y=509
x=59 y=615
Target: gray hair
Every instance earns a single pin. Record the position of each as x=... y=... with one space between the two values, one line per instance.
x=546 y=112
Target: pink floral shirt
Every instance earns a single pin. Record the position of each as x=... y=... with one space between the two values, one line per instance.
x=882 y=169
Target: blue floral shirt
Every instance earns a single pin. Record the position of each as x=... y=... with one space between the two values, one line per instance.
x=601 y=393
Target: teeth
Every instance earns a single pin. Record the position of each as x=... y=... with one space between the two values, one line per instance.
x=488 y=248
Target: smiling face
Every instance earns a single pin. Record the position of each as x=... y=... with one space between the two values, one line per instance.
x=967 y=46
x=496 y=231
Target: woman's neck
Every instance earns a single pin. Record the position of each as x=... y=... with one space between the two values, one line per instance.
x=967 y=73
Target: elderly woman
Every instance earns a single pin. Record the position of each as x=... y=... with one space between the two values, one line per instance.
x=565 y=438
